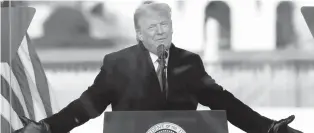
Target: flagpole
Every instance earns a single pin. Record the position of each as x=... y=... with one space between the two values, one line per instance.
x=10 y=61
x=0 y=70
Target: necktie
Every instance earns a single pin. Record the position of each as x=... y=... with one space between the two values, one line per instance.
x=161 y=73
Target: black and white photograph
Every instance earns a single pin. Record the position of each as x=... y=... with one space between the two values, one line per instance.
x=157 y=66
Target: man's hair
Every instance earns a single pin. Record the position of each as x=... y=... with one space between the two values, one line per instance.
x=148 y=6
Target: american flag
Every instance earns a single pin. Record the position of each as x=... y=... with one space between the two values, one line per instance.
x=25 y=90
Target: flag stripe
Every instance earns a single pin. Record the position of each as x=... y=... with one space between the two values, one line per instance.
x=9 y=114
x=53 y=100
x=18 y=70
x=37 y=102
x=40 y=77
x=30 y=77
x=15 y=103
x=8 y=75
x=5 y=126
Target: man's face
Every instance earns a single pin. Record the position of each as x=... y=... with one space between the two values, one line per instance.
x=155 y=29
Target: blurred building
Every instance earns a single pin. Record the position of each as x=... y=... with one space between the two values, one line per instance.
x=261 y=25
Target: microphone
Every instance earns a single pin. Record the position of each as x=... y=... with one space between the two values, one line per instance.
x=161 y=52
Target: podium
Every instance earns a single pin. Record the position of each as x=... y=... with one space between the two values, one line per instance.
x=211 y=121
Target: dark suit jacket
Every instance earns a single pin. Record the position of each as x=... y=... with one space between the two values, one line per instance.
x=128 y=81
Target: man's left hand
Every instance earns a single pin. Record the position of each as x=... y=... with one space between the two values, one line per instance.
x=281 y=126
x=31 y=126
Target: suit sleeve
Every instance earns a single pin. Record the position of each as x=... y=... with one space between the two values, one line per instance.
x=215 y=97
x=90 y=104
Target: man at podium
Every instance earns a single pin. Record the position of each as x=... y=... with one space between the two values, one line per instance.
x=154 y=75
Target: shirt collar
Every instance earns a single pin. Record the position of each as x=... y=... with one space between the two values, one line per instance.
x=155 y=57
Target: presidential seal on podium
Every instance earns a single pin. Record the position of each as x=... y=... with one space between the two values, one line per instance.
x=165 y=127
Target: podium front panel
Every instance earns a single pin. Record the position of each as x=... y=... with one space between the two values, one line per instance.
x=165 y=122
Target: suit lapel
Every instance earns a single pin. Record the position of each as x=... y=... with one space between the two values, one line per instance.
x=148 y=72
x=146 y=62
x=172 y=63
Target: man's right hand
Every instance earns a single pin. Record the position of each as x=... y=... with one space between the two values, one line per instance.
x=31 y=126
